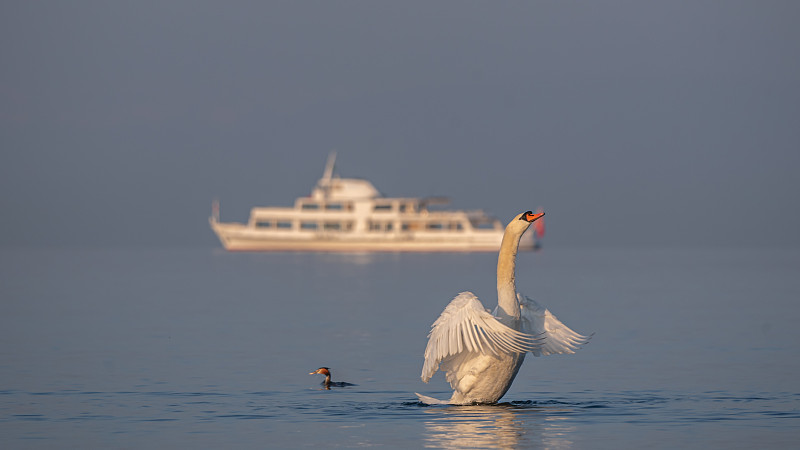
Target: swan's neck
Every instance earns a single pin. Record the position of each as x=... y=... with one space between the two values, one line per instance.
x=508 y=306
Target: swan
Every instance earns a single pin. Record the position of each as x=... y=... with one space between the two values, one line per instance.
x=481 y=352
x=328 y=383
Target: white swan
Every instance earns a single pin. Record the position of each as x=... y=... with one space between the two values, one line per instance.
x=480 y=352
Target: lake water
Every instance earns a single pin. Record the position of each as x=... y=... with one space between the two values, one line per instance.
x=183 y=348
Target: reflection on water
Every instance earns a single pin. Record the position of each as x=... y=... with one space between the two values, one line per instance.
x=355 y=258
x=496 y=426
x=349 y=258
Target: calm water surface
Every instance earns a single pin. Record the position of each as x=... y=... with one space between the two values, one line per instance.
x=172 y=348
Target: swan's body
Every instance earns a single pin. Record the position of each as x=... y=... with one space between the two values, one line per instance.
x=327 y=383
x=481 y=352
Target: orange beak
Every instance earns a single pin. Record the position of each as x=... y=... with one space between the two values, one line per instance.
x=531 y=217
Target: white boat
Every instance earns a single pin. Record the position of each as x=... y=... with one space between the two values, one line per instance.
x=350 y=215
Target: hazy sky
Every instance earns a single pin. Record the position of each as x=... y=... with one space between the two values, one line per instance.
x=630 y=122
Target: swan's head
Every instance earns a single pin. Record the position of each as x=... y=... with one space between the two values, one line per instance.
x=523 y=221
x=530 y=217
x=322 y=370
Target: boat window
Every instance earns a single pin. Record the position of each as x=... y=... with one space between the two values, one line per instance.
x=380 y=207
x=456 y=226
x=334 y=206
x=334 y=226
x=483 y=225
x=308 y=225
x=284 y=225
x=407 y=208
x=263 y=224
x=435 y=226
x=310 y=206
x=381 y=226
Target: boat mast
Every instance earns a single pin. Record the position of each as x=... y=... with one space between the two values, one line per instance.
x=215 y=209
x=329 y=167
x=325 y=182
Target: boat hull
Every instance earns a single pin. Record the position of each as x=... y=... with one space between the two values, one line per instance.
x=237 y=237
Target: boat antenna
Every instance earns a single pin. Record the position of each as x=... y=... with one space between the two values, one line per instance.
x=328 y=174
x=215 y=209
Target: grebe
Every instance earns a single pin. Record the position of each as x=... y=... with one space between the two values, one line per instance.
x=480 y=352
x=328 y=383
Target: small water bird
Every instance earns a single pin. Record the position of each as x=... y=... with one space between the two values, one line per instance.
x=481 y=352
x=328 y=383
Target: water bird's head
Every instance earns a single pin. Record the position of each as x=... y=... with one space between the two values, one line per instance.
x=521 y=223
x=529 y=216
x=323 y=371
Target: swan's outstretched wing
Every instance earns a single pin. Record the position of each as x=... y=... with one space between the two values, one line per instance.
x=465 y=326
x=559 y=338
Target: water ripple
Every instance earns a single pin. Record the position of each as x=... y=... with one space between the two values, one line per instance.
x=550 y=415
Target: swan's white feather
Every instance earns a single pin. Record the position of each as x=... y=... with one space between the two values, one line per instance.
x=430 y=400
x=466 y=327
x=538 y=320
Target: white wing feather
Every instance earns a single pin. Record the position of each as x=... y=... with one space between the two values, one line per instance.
x=465 y=326
x=559 y=338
